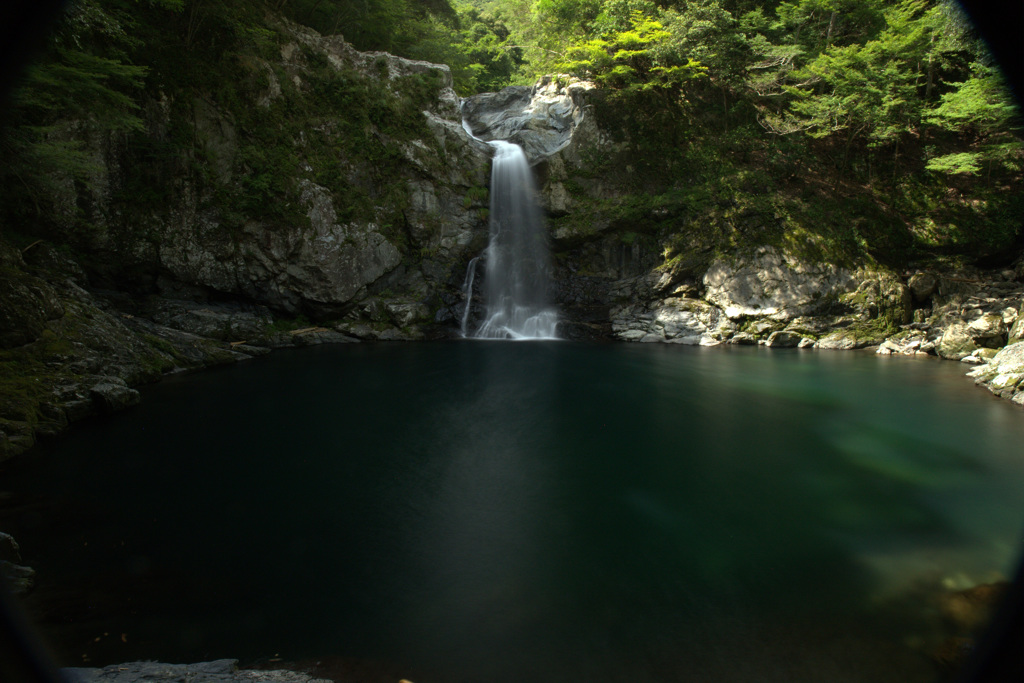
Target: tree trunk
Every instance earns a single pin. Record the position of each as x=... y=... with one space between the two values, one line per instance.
x=725 y=110
x=196 y=15
x=895 y=160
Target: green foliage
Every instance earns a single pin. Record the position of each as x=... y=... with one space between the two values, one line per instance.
x=861 y=126
x=957 y=162
x=75 y=82
x=981 y=106
x=636 y=58
x=395 y=26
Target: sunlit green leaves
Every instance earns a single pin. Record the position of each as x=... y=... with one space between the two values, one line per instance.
x=638 y=58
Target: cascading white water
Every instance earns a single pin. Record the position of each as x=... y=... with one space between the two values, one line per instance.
x=467 y=290
x=516 y=262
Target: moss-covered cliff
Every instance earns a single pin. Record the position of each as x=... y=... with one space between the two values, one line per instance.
x=298 y=183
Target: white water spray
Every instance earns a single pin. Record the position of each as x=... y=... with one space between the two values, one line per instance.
x=517 y=271
x=467 y=290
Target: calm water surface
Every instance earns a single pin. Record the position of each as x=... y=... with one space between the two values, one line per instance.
x=545 y=512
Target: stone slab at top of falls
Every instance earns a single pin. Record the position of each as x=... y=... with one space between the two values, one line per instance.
x=539 y=118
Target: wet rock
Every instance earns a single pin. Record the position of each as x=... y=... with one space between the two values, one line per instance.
x=784 y=339
x=743 y=339
x=219 y=671
x=539 y=118
x=21 y=580
x=907 y=344
x=839 y=341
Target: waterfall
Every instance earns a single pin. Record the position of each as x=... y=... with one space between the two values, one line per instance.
x=467 y=290
x=516 y=270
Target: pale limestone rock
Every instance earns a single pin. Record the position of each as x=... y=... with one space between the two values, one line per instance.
x=838 y=341
x=783 y=339
x=1016 y=332
x=774 y=285
x=989 y=330
x=539 y=118
x=673 y=320
x=743 y=339
x=956 y=342
x=1004 y=373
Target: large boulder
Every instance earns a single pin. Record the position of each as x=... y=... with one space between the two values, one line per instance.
x=672 y=320
x=1016 y=332
x=775 y=285
x=956 y=342
x=113 y=395
x=20 y=579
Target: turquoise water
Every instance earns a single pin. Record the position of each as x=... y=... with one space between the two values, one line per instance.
x=544 y=512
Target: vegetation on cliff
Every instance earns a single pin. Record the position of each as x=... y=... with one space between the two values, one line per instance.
x=879 y=129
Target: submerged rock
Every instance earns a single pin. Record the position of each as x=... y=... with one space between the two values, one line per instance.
x=20 y=579
x=784 y=339
x=219 y=671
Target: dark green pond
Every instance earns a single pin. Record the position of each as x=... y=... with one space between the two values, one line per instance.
x=546 y=512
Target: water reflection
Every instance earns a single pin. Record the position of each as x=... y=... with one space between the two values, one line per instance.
x=510 y=512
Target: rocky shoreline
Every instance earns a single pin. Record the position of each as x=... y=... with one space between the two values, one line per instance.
x=776 y=300
x=81 y=353
x=91 y=349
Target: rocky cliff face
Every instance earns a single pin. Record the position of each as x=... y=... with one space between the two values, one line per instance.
x=635 y=265
x=392 y=205
x=368 y=238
